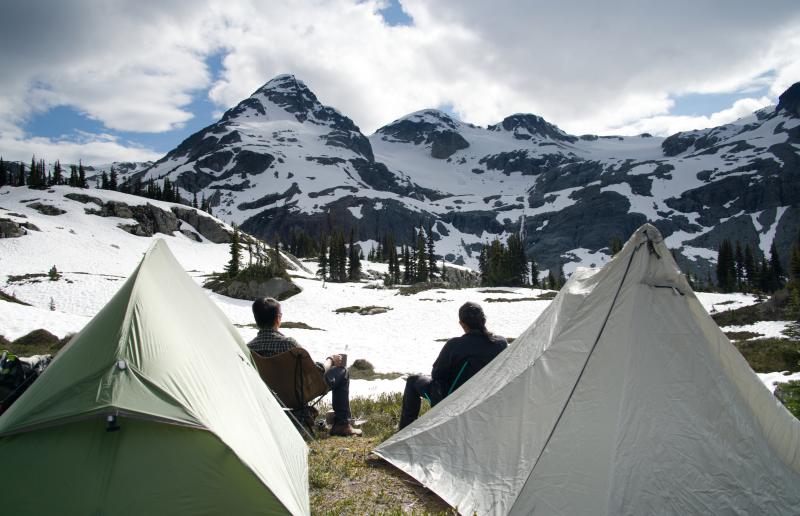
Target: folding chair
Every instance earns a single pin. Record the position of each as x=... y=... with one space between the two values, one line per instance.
x=296 y=381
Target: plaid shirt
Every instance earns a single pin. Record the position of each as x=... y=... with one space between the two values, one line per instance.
x=270 y=342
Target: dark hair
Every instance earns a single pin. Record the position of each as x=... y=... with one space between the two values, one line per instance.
x=471 y=314
x=266 y=311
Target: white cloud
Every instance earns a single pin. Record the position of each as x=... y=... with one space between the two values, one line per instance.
x=588 y=67
x=666 y=125
x=89 y=148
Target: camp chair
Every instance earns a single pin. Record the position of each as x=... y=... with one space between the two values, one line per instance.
x=295 y=380
x=433 y=400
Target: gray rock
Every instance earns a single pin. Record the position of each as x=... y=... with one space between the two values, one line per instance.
x=82 y=198
x=46 y=209
x=279 y=288
x=11 y=229
x=211 y=229
x=447 y=143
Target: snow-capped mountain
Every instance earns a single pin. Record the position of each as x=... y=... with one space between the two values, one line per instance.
x=280 y=159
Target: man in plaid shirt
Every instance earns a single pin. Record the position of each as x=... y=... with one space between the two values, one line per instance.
x=270 y=341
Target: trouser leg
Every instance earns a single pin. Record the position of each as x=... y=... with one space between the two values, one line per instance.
x=416 y=386
x=338 y=379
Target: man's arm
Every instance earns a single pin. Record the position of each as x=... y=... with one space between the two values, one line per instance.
x=441 y=367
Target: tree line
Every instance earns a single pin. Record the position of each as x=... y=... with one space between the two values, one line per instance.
x=37 y=175
x=738 y=269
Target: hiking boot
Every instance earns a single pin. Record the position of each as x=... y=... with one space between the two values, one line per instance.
x=344 y=430
x=330 y=417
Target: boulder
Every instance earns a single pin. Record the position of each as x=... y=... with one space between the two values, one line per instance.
x=279 y=288
x=11 y=229
x=210 y=228
x=46 y=209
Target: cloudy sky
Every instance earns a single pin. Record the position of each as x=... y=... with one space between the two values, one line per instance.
x=106 y=80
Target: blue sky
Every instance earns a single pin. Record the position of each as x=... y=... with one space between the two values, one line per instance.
x=133 y=83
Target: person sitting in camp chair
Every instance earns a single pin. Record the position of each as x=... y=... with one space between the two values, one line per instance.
x=270 y=342
x=458 y=361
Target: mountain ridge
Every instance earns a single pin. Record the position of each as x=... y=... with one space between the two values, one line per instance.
x=280 y=159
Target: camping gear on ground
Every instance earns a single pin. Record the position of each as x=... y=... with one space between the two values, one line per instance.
x=155 y=407
x=296 y=381
x=17 y=374
x=623 y=397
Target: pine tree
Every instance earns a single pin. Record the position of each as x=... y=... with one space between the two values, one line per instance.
x=431 y=254
x=407 y=271
x=3 y=173
x=482 y=265
x=57 y=177
x=194 y=200
x=232 y=268
x=765 y=277
x=21 y=175
x=750 y=270
x=534 y=274
x=739 y=259
x=775 y=268
x=354 y=261
x=551 y=284
x=422 y=257
x=615 y=245
x=726 y=267
x=81 y=175
x=112 y=180
x=104 y=181
x=561 y=278
x=794 y=264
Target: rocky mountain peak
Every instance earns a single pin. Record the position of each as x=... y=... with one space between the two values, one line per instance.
x=790 y=100
x=526 y=126
x=430 y=127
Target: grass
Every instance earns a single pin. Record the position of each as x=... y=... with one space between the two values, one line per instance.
x=789 y=394
x=346 y=478
x=768 y=355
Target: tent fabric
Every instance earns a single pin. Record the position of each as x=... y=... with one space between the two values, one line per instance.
x=623 y=397
x=193 y=413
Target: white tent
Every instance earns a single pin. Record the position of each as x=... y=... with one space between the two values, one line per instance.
x=623 y=397
x=155 y=407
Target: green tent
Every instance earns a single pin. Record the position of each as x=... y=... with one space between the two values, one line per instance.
x=154 y=408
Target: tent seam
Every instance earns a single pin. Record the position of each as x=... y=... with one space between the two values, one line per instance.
x=580 y=374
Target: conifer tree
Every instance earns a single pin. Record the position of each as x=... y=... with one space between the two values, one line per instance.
x=232 y=268
x=739 y=259
x=431 y=254
x=422 y=257
x=73 y=176
x=407 y=271
x=775 y=268
x=58 y=179
x=750 y=269
x=615 y=245
x=21 y=175
x=726 y=267
x=534 y=274
x=81 y=175
x=561 y=278
x=104 y=181
x=482 y=265
x=551 y=281
x=3 y=173
x=354 y=260
x=322 y=270
x=112 y=180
